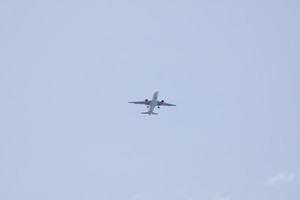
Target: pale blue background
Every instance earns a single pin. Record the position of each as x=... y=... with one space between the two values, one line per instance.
x=68 y=69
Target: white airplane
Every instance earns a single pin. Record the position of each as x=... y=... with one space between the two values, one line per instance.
x=152 y=104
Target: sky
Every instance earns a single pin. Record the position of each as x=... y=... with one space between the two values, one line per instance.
x=69 y=68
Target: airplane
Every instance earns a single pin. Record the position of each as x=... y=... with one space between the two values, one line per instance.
x=151 y=104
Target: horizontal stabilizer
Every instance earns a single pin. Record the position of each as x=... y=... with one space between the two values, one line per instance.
x=149 y=113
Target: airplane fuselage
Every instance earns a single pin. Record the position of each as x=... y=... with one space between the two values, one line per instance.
x=153 y=103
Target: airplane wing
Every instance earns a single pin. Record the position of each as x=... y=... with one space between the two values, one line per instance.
x=141 y=102
x=162 y=103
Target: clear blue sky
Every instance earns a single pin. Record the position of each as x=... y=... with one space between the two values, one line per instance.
x=68 y=69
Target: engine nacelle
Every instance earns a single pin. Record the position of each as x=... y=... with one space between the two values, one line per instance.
x=163 y=101
x=146 y=100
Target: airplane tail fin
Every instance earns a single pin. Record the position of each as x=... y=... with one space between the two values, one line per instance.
x=149 y=113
